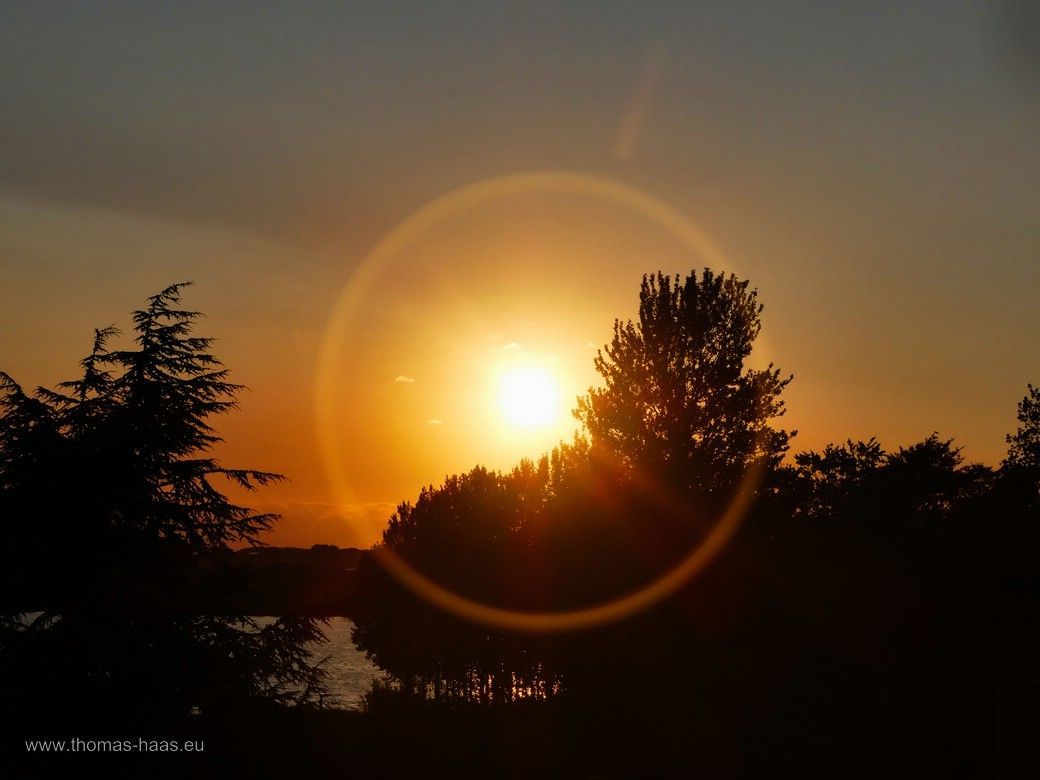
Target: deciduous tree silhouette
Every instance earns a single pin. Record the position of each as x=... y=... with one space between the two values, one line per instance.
x=680 y=415
x=878 y=608
x=679 y=402
x=1024 y=443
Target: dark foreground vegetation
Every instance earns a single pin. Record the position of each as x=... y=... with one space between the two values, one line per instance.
x=108 y=495
x=875 y=614
x=320 y=581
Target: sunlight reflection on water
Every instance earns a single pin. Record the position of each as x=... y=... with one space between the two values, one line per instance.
x=349 y=674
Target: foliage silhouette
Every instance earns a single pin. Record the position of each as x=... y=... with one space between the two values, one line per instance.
x=877 y=606
x=111 y=497
x=678 y=402
x=677 y=425
x=876 y=610
x=1025 y=442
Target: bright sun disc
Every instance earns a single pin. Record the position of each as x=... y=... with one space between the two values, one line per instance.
x=528 y=397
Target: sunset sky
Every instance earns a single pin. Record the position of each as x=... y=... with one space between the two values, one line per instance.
x=474 y=190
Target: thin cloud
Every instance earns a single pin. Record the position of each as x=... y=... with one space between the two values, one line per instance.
x=434 y=421
x=512 y=346
x=590 y=344
x=406 y=379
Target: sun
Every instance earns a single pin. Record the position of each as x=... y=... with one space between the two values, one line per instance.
x=528 y=396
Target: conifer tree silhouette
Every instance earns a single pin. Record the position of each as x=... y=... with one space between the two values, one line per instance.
x=112 y=493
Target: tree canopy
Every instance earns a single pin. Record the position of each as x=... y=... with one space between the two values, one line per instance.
x=679 y=402
x=109 y=493
x=1024 y=443
x=133 y=435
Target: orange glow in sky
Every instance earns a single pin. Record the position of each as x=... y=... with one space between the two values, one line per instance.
x=410 y=229
x=528 y=397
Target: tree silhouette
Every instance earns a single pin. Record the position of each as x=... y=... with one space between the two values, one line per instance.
x=679 y=402
x=878 y=607
x=680 y=410
x=1024 y=449
x=111 y=495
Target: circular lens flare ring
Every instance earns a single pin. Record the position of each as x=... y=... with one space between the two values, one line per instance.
x=362 y=282
x=600 y=614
